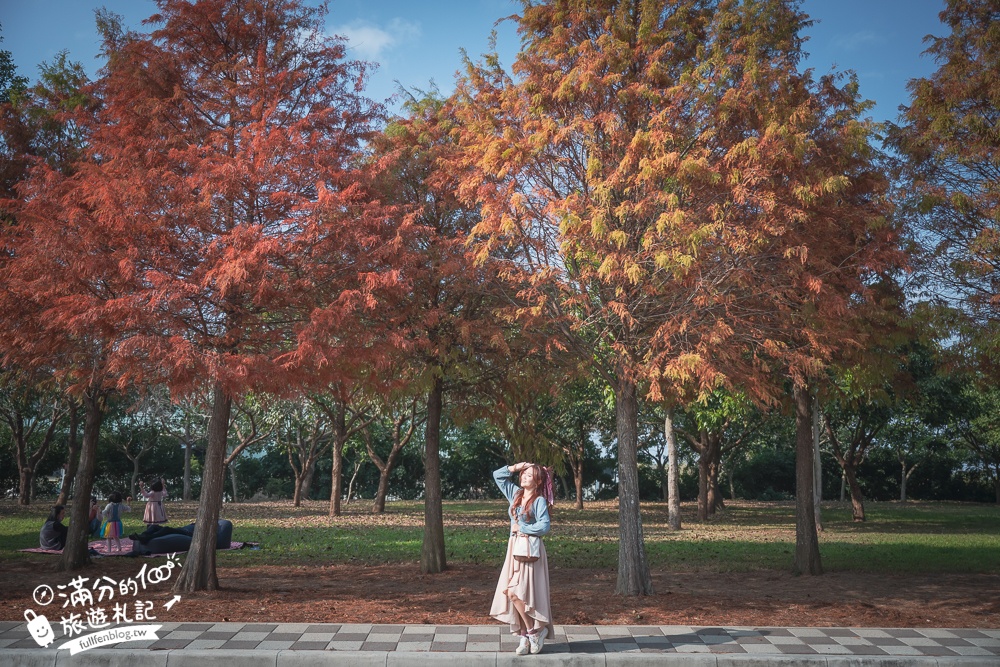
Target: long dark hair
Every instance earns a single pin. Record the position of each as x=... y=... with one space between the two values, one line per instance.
x=543 y=476
x=115 y=497
x=156 y=486
x=54 y=514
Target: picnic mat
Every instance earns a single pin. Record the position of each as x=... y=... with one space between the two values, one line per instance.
x=101 y=547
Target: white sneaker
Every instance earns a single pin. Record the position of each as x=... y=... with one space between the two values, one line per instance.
x=537 y=640
x=522 y=648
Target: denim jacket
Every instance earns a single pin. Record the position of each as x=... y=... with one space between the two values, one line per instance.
x=539 y=508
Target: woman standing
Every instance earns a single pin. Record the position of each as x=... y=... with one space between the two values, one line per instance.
x=522 y=594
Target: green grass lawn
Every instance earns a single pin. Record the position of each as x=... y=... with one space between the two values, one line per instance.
x=912 y=538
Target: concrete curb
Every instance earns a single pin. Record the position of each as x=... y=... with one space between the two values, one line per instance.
x=377 y=645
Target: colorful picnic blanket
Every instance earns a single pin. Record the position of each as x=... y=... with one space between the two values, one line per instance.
x=101 y=547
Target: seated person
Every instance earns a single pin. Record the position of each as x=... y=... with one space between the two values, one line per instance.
x=53 y=533
x=94 y=519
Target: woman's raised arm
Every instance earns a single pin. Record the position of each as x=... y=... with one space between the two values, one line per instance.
x=503 y=478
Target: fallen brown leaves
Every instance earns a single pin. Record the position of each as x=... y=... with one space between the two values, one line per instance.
x=462 y=594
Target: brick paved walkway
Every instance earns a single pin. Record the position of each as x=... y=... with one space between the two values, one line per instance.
x=759 y=642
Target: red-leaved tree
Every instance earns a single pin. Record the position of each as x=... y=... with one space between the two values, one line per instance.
x=450 y=310
x=225 y=172
x=63 y=289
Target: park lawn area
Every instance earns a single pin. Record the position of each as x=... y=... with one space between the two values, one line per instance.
x=911 y=538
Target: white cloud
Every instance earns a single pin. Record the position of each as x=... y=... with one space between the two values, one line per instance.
x=371 y=42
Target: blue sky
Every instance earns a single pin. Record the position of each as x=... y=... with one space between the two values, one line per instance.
x=417 y=41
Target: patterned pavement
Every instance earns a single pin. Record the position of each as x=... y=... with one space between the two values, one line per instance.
x=760 y=642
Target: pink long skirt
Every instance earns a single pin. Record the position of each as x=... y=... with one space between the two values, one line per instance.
x=528 y=582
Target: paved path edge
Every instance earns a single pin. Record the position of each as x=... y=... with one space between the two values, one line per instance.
x=288 y=658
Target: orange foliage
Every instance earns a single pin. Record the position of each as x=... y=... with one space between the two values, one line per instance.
x=697 y=209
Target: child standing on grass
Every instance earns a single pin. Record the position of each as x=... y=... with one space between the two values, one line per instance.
x=522 y=594
x=112 y=529
x=154 y=514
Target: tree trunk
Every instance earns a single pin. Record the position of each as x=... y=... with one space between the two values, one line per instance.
x=24 y=469
x=661 y=472
x=378 y=507
x=307 y=479
x=303 y=481
x=385 y=468
x=28 y=465
x=857 y=498
x=135 y=478
x=729 y=478
x=384 y=471
x=703 y=479
x=27 y=478
x=198 y=573
x=817 y=468
x=673 y=475
x=298 y=472
x=576 y=454
x=807 y=559
x=73 y=456
x=578 y=484
x=75 y=555
x=235 y=482
x=715 y=501
x=633 y=569
x=432 y=554
x=354 y=478
x=709 y=447
x=902 y=480
x=188 y=446
x=337 y=469
x=843 y=486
